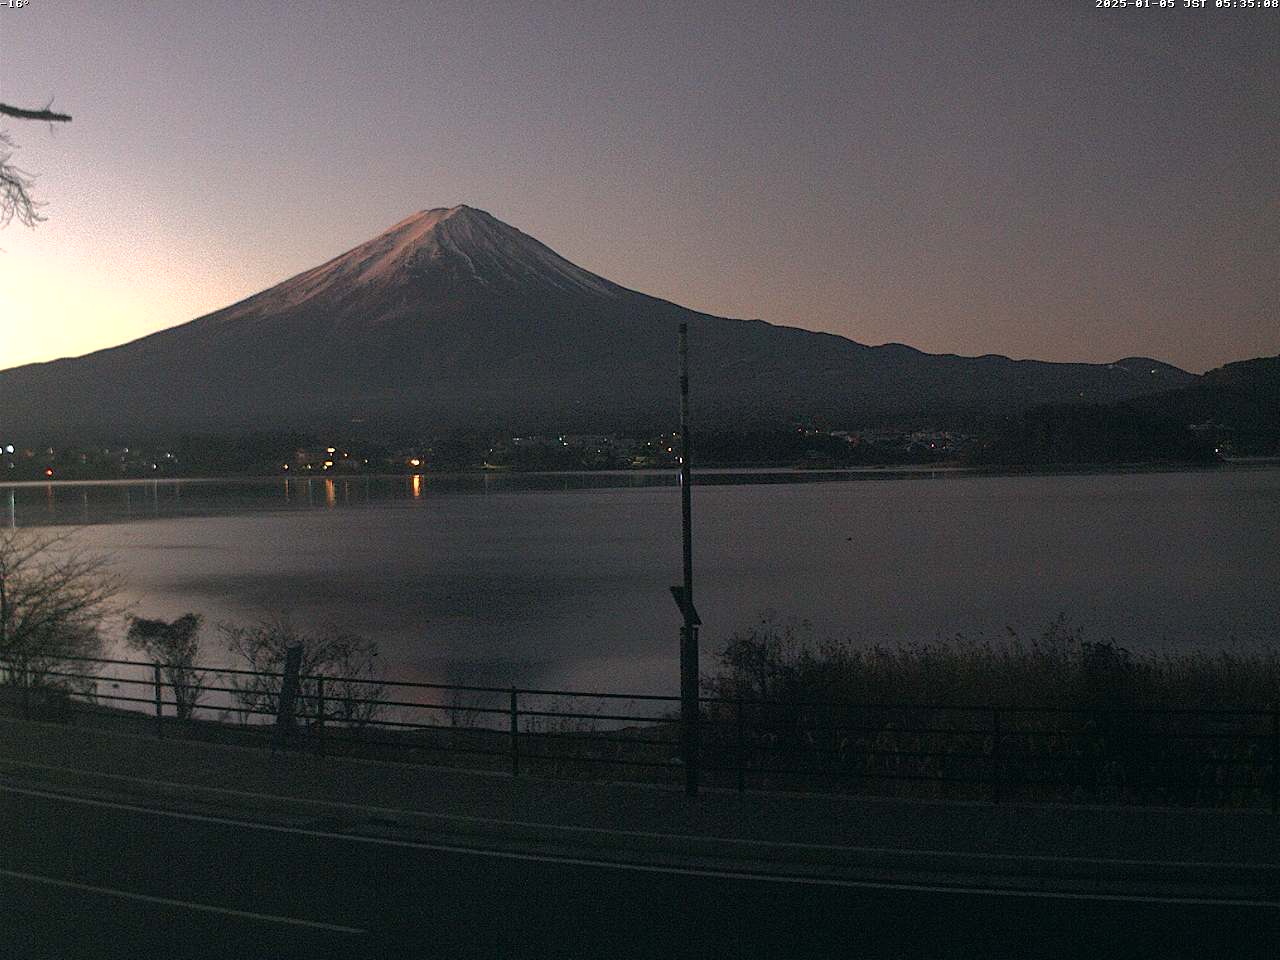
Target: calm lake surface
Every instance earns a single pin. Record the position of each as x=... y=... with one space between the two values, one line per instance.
x=562 y=580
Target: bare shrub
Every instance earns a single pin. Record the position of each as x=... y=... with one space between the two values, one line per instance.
x=176 y=647
x=54 y=601
x=345 y=661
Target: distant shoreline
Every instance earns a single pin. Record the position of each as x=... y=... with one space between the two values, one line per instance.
x=763 y=470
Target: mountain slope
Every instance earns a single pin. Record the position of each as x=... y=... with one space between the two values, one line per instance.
x=1237 y=405
x=452 y=317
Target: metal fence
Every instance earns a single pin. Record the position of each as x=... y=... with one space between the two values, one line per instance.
x=1107 y=754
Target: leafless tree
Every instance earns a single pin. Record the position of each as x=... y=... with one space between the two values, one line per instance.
x=176 y=647
x=347 y=663
x=54 y=600
x=15 y=183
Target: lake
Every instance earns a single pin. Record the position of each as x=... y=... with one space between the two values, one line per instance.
x=562 y=580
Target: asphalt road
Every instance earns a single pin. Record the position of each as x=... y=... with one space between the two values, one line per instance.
x=83 y=878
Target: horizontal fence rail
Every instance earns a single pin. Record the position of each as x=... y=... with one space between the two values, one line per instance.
x=1121 y=754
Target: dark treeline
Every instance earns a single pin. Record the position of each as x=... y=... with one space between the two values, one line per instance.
x=807 y=448
x=1233 y=411
x=1237 y=405
x=1093 y=433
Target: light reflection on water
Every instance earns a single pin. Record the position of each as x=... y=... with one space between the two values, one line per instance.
x=109 y=501
x=561 y=580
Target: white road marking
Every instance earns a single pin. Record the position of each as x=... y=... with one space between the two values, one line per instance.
x=182 y=904
x=645 y=834
x=637 y=867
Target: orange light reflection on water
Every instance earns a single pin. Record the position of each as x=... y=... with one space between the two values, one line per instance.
x=417 y=486
x=330 y=494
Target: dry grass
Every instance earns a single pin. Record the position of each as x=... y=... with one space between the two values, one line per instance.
x=785 y=662
x=1056 y=716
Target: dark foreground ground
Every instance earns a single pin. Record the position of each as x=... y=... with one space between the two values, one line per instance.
x=111 y=864
x=421 y=902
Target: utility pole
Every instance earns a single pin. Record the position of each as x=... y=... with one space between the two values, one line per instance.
x=689 y=711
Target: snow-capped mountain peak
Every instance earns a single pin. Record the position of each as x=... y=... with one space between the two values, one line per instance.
x=445 y=251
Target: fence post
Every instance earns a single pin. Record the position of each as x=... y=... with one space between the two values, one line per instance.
x=515 y=733
x=155 y=668
x=995 y=755
x=1275 y=758
x=742 y=747
x=320 y=710
x=290 y=685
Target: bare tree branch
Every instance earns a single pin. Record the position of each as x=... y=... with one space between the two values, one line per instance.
x=20 y=114
x=15 y=190
x=54 y=598
x=15 y=184
x=346 y=661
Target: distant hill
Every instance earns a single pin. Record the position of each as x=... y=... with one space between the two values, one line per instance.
x=1233 y=410
x=454 y=318
x=1237 y=404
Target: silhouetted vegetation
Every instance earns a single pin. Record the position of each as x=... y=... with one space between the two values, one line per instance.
x=15 y=183
x=785 y=661
x=798 y=447
x=223 y=454
x=1054 y=716
x=54 y=600
x=1092 y=433
x=175 y=646
x=347 y=662
x=1236 y=407
x=1231 y=411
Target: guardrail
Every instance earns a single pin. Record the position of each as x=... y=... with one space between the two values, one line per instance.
x=986 y=752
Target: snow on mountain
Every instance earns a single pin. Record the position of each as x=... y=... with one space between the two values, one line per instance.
x=459 y=247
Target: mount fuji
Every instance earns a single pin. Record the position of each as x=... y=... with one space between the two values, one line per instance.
x=454 y=318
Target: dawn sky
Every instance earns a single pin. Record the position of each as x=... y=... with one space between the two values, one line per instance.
x=1041 y=179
